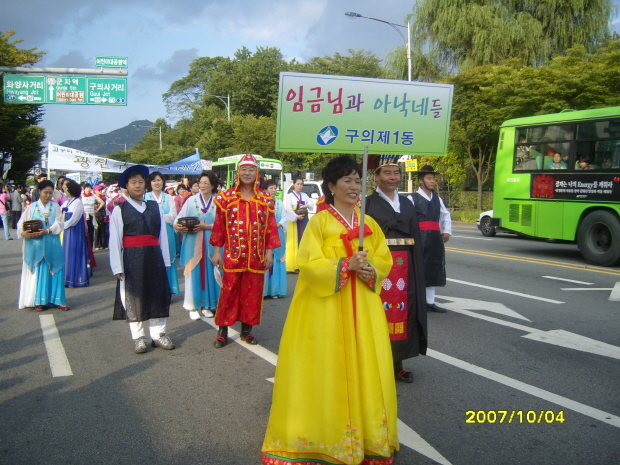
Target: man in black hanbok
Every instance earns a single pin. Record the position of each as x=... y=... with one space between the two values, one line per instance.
x=435 y=229
x=139 y=257
x=402 y=292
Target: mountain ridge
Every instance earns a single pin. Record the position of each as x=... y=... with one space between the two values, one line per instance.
x=113 y=141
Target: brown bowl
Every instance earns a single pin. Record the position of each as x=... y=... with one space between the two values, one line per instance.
x=190 y=222
x=33 y=225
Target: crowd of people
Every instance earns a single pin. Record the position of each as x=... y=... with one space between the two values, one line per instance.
x=357 y=312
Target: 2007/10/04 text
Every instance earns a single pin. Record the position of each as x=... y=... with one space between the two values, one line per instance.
x=514 y=416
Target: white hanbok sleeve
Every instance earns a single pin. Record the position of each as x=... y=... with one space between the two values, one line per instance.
x=445 y=220
x=77 y=208
x=163 y=239
x=20 y=223
x=116 y=241
x=170 y=217
x=289 y=201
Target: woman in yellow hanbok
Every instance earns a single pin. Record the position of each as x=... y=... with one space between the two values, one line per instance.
x=334 y=398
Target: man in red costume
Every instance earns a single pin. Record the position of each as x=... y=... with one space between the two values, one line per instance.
x=245 y=225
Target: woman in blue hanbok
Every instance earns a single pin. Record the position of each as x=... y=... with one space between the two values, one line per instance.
x=74 y=242
x=155 y=187
x=275 y=277
x=43 y=273
x=201 y=288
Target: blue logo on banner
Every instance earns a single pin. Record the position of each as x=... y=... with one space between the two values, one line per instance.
x=327 y=135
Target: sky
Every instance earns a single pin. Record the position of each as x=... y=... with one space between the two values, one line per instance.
x=161 y=37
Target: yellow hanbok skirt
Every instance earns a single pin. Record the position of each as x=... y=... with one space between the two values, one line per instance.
x=334 y=398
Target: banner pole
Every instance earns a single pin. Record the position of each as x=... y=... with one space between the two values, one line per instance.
x=363 y=206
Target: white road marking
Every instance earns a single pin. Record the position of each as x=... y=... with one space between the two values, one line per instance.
x=495 y=307
x=556 y=337
x=562 y=338
x=505 y=291
x=406 y=435
x=615 y=293
x=568 y=280
x=413 y=440
x=587 y=288
x=59 y=364
x=563 y=402
x=476 y=238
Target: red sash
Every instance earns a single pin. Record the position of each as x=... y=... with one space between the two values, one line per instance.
x=429 y=226
x=139 y=241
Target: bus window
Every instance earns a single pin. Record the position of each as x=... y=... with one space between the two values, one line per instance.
x=531 y=156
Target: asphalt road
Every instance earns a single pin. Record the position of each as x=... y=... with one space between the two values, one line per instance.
x=530 y=330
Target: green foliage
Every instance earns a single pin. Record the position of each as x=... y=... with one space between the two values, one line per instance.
x=464 y=34
x=486 y=96
x=252 y=80
x=19 y=135
x=359 y=63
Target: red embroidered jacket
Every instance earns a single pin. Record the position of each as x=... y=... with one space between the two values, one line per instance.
x=245 y=228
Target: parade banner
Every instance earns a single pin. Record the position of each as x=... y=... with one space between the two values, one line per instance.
x=68 y=159
x=342 y=114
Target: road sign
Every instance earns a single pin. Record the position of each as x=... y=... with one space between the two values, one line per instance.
x=110 y=62
x=411 y=165
x=24 y=88
x=76 y=90
x=107 y=91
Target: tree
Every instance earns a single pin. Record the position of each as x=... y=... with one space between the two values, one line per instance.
x=464 y=34
x=19 y=136
x=486 y=96
x=359 y=63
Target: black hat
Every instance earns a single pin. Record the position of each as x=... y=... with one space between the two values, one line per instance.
x=122 y=180
x=427 y=169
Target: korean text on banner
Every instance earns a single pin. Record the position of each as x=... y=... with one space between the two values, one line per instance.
x=342 y=114
x=68 y=159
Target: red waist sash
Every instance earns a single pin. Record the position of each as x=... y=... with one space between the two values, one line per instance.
x=429 y=226
x=139 y=241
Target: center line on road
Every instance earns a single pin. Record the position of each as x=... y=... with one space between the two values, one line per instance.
x=568 y=280
x=564 y=402
x=56 y=354
x=505 y=291
x=519 y=258
x=475 y=238
x=407 y=436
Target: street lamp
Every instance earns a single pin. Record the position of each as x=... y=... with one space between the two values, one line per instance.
x=407 y=40
x=159 y=127
x=222 y=97
x=114 y=143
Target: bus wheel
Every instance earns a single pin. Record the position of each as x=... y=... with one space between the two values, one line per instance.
x=486 y=228
x=599 y=238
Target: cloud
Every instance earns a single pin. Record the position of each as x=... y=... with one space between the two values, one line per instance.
x=71 y=59
x=169 y=70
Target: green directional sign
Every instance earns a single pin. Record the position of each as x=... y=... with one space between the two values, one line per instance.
x=64 y=89
x=24 y=88
x=110 y=62
x=107 y=91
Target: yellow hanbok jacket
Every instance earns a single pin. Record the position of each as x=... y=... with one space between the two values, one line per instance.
x=334 y=398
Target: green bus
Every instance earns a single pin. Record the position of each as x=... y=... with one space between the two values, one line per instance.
x=558 y=177
x=225 y=169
